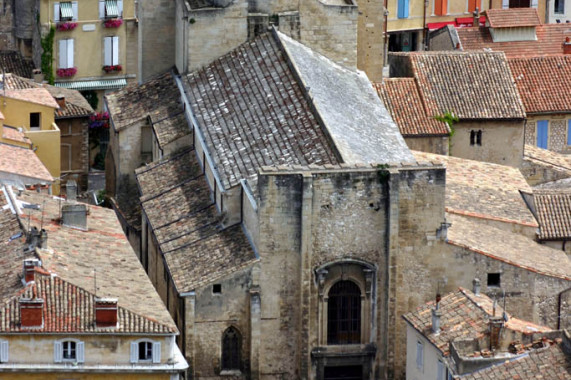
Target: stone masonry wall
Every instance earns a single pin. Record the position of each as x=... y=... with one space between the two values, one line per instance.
x=370 y=39
x=556 y=135
x=7 y=25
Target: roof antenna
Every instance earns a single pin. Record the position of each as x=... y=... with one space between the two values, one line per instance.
x=42 y=220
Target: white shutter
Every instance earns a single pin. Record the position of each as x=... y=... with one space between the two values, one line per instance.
x=80 y=352
x=156 y=352
x=4 y=352
x=69 y=53
x=57 y=352
x=107 y=51
x=101 y=8
x=134 y=352
x=75 y=10
x=534 y=3
x=115 y=50
x=62 y=54
x=505 y=4
x=120 y=7
x=56 y=12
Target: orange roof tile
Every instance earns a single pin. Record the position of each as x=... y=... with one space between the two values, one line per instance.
x=33 y=95
x=403 y=100
x=512 y=17
x=553 y=208
x=22 y=163
x=14 y=134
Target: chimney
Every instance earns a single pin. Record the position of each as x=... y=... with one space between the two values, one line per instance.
x=30 y=270
x=31 y=312
x=567 y=45
x=476 y=286
x=106 y=312
x=38 y=76
x=71 y=190
x=74 y=215
x=60 y=100
x=436 y=314
x=476 y=19
x=496 y=324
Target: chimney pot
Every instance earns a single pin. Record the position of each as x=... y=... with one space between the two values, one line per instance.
x=476 y=286
x=60 y=100
x=567 y=45
x=436 y=314
x=106 y=312
x=31 y=312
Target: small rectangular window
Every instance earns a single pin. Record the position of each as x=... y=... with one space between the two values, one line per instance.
x=494 y=279
x=217 y=288
x=559 y=6
x=419 y=355
x=35 y=118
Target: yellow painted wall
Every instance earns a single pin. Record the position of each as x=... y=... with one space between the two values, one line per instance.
x=46 y=140
x=88 y=45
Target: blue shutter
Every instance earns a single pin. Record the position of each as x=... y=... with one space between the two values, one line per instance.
x=402 y=8
x=569 y=132
x=542 y=132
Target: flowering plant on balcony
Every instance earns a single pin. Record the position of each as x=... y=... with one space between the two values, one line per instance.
x=113 y=23
x=62 y=73
x=63 y=26
x=111 y=68
x=99 y=120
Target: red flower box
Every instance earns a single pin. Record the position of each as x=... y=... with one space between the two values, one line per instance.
x=63 y=26
x=66 y=72
x=112 y=68
x=113 y=23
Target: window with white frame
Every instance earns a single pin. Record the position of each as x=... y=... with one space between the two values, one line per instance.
x=419 y=355
x=4 y=351
x=110 y=9
x=66 y=54
x=69 y=350
x=145 y=351
x=65 y=11
x=111 y=51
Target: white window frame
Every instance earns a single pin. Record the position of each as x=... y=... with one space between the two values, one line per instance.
x=156 y=351
x=57 y=10
x=79 y=351
x=4 y=351
x=66 y=53
x=111 y=51
x=102 y=15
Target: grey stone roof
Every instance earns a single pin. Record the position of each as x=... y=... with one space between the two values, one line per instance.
x=359 y=124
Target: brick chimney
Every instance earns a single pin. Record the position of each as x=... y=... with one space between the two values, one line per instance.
x=60 y=100
x=106 y=312
x=31 y=312
x=496 y=324
x=567 y=45
x=30 y=270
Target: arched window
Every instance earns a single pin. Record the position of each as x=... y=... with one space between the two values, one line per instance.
x=344 y=313
x=231 y=347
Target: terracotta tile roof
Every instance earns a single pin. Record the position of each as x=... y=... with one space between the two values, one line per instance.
x=472 y=85
x=508 y=247
x=512 y=17
x=22 y=163
x=159 y=98
x=253 y=112
x=548 y=363
x=544 y=83
x=544 y=157
x=483 y=190
x=73 y=255
x=553 y=210
x=14 y=62
x=16 y=82
x=550 y=38
x=170 y=128
x=464 y=316
x=33 y=95
x=402 y=98
x=14 y=134
x=70 y=309
x=176 y=200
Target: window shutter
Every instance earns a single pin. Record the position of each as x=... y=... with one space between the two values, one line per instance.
x=569 y=132
x=62 y=54
x=542 y=133
x=134 y=352
x=56 y=12
x=69 y=53
x=505 y=4
x=120 y=7
x=75 y=10
x=4 y=352
x=406 y=3
x=80 y=352
x=107 y=51
x=115 y=50
x=156 y=352
x=57 y=352
x=101 y=8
